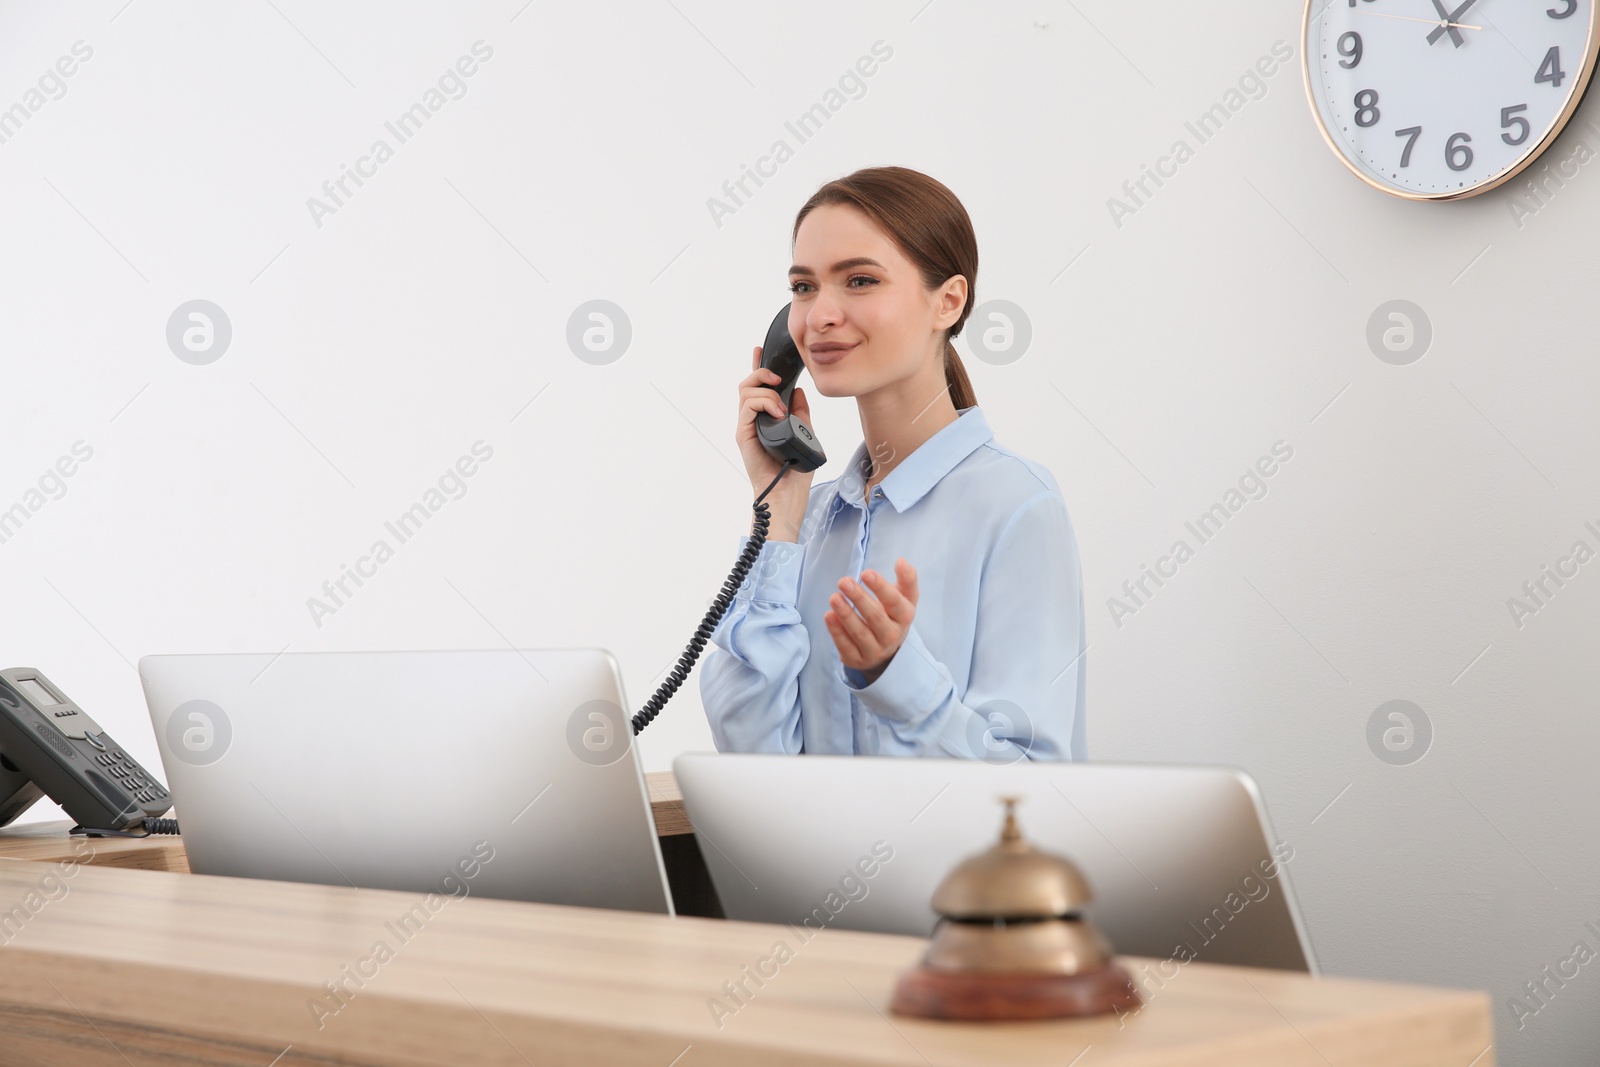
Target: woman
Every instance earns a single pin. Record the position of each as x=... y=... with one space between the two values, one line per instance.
x=974 y=647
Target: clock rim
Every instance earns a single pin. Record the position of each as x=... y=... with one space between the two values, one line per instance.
x=1591 y=46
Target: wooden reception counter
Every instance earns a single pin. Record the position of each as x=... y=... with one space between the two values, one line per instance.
x=111 y=954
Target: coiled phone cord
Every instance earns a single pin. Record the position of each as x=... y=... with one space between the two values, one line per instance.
x=150 y=824
x=741 y=568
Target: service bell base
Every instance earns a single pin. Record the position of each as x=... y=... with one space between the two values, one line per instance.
x=975 y=995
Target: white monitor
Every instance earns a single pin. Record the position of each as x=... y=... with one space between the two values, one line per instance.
x=408 y=770
x=1181 y=859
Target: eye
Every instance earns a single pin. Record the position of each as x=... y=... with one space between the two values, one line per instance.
x=794 y=287
x=863 y=278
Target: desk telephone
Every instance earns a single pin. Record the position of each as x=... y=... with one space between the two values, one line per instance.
x=788 y=439
x=49 y=745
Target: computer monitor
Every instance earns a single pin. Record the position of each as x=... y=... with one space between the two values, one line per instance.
x=1181 y=860
x=408 y=770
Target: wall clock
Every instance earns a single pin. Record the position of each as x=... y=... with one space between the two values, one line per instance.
x=1443 y=99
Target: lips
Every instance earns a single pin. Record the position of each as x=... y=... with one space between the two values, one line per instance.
x=830 y=355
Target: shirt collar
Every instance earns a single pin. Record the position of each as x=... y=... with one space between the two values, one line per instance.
x=923 y=469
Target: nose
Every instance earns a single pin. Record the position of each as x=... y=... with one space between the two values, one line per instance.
x=823 y=313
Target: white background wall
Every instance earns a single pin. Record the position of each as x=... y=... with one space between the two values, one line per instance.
x=1167 y=354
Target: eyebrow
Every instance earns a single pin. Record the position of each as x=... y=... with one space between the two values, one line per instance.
x=842 y=265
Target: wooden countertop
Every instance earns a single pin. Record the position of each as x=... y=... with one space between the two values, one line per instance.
x=137 y=966
x=666 y=804
x=107 y=958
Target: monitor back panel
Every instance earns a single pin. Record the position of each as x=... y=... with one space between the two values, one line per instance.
x=1179 y=858
x=406 y=770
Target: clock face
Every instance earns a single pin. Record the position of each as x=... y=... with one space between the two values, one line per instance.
x=1436 y=99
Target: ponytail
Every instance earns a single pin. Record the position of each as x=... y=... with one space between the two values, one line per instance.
x=955 y=376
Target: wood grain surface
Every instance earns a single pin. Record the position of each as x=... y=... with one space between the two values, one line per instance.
x=112 y=966
x=111 y=955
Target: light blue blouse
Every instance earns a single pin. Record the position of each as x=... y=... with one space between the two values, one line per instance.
x=992 y=666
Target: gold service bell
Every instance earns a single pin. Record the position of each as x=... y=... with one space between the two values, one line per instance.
x=1011 y=942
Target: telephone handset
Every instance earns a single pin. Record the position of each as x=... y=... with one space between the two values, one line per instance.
x=788 y=440
x=788 y=437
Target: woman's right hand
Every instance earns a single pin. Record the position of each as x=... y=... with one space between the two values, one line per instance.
x=789 y=497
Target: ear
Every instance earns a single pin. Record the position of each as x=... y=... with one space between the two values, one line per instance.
x=950 y=301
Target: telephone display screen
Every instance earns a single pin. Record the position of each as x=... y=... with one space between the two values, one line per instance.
x=41 y=696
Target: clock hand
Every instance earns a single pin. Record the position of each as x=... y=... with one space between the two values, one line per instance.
x=1447 y=21
x=1444 y=25
x=1408 y=18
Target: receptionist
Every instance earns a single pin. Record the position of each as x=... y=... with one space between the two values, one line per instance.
x=929 y=600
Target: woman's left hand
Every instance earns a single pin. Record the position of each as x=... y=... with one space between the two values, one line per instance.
x=869 y=626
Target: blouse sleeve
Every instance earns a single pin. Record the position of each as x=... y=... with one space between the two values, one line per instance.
x=750 y=682
x=1024 y=695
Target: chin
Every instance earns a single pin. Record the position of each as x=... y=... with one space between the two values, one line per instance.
x=830 y=382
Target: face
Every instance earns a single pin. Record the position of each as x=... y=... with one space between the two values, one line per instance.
x=861 y=317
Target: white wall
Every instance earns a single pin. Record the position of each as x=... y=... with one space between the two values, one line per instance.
x=1168 y=354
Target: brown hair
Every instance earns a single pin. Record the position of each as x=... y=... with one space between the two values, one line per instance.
x=931 y=228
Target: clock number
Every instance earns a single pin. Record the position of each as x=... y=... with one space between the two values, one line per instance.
x=1572 y=5
x=1367 y=107
x=1355 y=48
x=1509 y=117
x=1452 y=147
x=1550 y=70
x=1413 y=132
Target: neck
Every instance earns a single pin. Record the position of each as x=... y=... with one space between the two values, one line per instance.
x=898 y=418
